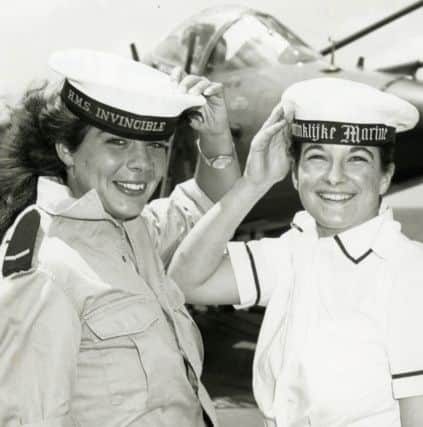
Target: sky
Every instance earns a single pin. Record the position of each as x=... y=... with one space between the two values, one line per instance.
x=31 y=30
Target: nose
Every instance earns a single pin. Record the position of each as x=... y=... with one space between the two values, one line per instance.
x=335 y=173
x=140 y=159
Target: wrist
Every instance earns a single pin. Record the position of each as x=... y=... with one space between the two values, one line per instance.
x=251 y=188
x=213 y=143
x=217 y=152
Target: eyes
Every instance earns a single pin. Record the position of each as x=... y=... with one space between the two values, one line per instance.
x=124 y=143
x=354 y=158
x=359 y=159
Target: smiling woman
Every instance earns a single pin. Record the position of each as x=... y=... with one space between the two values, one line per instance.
x=125 y=172
x=342 y=288
x=340 y=186
x=93 y=331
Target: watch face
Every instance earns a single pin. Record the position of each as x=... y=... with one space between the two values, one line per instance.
x=221 y=162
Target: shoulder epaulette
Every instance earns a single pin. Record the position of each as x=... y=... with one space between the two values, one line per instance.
x=21 y=245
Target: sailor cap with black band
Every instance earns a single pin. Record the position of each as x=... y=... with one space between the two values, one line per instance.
x=121 y=96
x=337 y=111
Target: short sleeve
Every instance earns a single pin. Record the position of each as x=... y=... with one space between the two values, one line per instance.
x=170 y=219
x=405 y=338
x=39 y=345
x=259 y=266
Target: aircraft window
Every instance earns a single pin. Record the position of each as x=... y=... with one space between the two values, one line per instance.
x=252 y=42
x=172 y=51
x=175 y=48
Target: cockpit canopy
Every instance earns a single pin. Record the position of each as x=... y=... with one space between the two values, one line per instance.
x=231 y=38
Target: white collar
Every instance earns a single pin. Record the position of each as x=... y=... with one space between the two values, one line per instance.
x=358 y=242
x=56 y=199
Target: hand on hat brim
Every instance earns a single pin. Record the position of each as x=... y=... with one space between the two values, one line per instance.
x=276 y=114
x=268 y=160
x=211 y=118
x=194 y=115
x=193 y=85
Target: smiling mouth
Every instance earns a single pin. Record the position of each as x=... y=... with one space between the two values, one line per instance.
x=336 y=197
x=131 y=188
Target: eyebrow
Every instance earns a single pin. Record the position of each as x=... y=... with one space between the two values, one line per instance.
x=355 y=149
x=312 y=147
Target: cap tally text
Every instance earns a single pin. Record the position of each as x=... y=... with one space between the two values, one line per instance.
x=114 y=120
x=324 y=132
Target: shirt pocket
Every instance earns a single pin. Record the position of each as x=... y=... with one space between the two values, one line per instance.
x=111 y=347
x=142 y=364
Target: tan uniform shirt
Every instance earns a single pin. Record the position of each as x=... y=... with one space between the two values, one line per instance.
x=341 y=338
x=95 y=334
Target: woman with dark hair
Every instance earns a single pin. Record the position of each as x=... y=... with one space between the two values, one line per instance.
x=340 y=343
x=92 y=331
x=28 y=149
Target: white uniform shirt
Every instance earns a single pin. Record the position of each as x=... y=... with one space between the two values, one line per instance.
x=341 y=336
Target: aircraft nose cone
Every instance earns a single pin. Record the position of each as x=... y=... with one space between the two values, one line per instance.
x=411 y=91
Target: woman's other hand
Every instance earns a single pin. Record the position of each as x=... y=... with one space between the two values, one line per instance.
x=268 y=161
x=213 y=119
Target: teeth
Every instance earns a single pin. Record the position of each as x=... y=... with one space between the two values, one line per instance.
x=132 y=186
x=336 y=197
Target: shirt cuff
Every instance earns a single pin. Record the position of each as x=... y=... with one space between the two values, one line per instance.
x=192 y=190
x=244 y=274
x=408 y=385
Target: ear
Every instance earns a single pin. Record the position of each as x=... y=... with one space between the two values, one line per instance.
x=386 y=179
x=64 y=154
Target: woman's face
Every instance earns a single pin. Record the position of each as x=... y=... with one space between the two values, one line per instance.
x=125 y=172
x=340 y=186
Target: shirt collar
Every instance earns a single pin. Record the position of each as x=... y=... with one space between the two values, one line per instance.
x=56 y=199
x=304 y=223
x=356 y=243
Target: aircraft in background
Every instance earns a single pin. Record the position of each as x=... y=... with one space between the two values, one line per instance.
x=256 y=57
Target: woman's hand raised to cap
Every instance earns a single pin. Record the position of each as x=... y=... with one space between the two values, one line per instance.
x=268 y=161
x=214 y=116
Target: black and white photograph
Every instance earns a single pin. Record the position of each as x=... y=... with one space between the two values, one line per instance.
x=211 y=213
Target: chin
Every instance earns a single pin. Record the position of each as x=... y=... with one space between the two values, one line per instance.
x=126 y=214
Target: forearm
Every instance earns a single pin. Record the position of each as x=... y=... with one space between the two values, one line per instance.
x=216 y=182
x=201 y=252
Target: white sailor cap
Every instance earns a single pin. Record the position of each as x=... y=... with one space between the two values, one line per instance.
x=121 y=96
x=337 y=111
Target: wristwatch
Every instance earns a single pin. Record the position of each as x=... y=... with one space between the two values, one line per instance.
x=221 y=161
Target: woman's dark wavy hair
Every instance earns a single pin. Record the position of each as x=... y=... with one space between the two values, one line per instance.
x=27 y=149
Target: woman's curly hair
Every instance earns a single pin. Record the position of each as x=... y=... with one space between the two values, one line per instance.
x=28 y=149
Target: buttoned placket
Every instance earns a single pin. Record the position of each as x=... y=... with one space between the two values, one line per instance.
x=155 y=279
x=128 y=254
x=156 y=287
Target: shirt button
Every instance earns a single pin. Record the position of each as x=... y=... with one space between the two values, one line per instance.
x=123 y=258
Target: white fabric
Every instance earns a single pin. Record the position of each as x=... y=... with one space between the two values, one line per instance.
x=123 y=83
x=335 y=331
x=266 y=253
x=65 y=421
x=340 y=100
